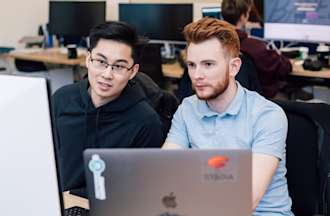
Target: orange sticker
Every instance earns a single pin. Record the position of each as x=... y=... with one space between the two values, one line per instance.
x=218 y=162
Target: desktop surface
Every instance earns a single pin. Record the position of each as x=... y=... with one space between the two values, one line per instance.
x=52 y=56
x=298 y=70
x=59 y=56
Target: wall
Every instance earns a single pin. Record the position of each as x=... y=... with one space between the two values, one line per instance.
x=22 y=17
x=19 y=18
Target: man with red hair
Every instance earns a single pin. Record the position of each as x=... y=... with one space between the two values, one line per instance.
x=225 y=115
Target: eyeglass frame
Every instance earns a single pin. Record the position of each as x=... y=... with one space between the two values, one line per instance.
x=107 y=65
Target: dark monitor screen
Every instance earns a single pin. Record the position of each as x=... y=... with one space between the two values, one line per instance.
x=75 y=18
x=298 y=20
x=157 y=21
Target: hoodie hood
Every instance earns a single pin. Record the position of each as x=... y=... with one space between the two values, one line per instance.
x=131 y=95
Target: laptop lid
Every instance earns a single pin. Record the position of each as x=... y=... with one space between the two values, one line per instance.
x=28 y=184
x=157 y=182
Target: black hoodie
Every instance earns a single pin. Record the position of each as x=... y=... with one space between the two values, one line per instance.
x=126 y=122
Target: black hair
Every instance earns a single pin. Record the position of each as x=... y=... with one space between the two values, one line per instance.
x=116 y=31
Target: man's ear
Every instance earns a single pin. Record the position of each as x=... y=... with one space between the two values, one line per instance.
x=135 y=69
x=234 y=66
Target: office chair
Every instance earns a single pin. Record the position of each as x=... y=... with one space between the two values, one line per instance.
x=247 y=75
x=162 y=101
x=307 y=154
x=150 y=60
x=29 y=66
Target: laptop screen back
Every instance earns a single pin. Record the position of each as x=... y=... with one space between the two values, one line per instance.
x=168 y=182
x=28 y=183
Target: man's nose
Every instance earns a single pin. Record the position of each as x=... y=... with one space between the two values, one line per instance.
x=197 y=73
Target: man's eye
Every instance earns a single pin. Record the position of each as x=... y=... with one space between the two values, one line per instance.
x=208 y=64
x=190 y=65
x=118 y=67
x=102 y=62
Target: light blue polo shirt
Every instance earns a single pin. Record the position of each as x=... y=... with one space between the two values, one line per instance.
x=250 y=122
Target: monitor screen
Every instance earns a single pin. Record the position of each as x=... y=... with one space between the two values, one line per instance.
x=27 y=153
x=157 y=21
x=75 y=18
x=298 y=20
x=214 y=12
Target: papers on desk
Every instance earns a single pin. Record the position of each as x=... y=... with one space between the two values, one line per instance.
x=299 y=62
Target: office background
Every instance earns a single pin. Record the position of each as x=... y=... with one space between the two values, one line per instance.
x=22 y=18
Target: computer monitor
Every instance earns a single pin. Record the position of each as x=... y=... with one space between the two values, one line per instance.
x=29 y=180
x=163 y=22
x=297 y=20
x=213 y=12
x=75 y=18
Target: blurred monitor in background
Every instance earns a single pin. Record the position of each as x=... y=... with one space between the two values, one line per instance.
x=213 y=12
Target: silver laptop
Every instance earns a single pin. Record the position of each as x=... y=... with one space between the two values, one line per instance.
x=29 y=182
x=155 y=182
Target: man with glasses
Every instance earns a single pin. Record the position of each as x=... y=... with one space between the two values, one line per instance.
x=107 y=110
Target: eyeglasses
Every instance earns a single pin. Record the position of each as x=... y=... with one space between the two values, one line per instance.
x=102 y=65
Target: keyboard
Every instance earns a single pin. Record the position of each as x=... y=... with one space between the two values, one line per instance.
x=76 y=211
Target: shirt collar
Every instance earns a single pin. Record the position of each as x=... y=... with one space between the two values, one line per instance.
x=203 y=109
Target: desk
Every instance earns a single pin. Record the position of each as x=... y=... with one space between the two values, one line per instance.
x=173 y=70
x=298 y=70
x=72 y=200
x=51 y=56
x=58 y=77
x=54 y=56
x=314 y=77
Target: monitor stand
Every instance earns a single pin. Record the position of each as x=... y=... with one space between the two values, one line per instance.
x=168 y=51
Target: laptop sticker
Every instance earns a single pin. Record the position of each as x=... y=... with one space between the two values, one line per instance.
x=97 y=166
x=218 y=162
x=219 y=168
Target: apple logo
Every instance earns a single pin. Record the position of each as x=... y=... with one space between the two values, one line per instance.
x=169 y=201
